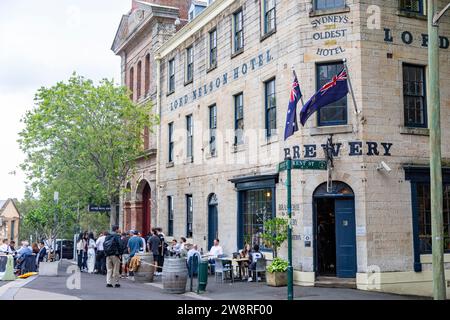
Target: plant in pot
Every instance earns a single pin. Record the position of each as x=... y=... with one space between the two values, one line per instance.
x=275 y=233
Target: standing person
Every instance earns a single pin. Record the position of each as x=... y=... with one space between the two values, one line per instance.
x=134 y=246
x=100 y=255
x=80 y=251
x=154 y=244
x=182 y=244
x=113 y=250
x=85 y=252
x=12 y=247
x=162 y=248
x=42 y=252
x=35 y=248
x=144 y=243
x=125 y=255
x=91 y=253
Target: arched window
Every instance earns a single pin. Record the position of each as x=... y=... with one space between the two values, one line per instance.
x=147 y=74
x=131 y=83
x=139 y=79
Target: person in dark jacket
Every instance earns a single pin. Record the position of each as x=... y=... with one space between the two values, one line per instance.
x=42 y=252
x=113 y=250
x=153 y=247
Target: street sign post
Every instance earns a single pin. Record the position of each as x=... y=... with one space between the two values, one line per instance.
x=287 y=165
x=96 y=208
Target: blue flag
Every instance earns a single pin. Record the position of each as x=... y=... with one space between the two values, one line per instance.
x=291 y=117
x=332 y=91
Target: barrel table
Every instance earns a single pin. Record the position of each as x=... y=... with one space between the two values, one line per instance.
x=146 y=269
x=174 y=275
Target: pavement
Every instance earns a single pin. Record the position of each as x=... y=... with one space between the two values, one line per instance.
x=93 y=287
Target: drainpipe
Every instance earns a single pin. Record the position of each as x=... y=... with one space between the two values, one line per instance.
x=158 y=131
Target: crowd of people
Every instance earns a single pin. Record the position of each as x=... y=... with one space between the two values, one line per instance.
x=26 y=258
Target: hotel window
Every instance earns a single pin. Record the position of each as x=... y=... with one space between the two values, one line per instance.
x=147 y=74
x=270 y=107
x=212 y=129
x=139 y=80
x=238 y=31
x=189 y=215
x=131 y=83
x=336 y=112
x=170 y=215
x=412 y=6
x=190 y=136
x=414 y=99
x=423 y=200
x=238 y=119
x=213 y=48
x=189 y=64
x=269 y=15
x=171 y=142
x=171 y=75
x=257 y=207
x=329 y=4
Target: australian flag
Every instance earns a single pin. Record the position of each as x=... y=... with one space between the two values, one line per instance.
x=332 y=91
x=291 y=117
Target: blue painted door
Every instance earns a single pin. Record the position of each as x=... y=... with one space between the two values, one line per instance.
x=212 y=224
x=345 y=238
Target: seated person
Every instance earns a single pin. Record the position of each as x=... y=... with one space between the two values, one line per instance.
x=22 y=253
x=253 y=257
x=191 y=253
x=175 y=248
x=243 y=265
x=215 y=251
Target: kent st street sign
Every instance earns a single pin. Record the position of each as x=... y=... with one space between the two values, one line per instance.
x=304 y=165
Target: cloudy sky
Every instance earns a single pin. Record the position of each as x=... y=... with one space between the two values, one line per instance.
x=42 y=42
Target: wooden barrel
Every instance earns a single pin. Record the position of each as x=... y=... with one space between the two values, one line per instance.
x=146 y=268
x=174 y=275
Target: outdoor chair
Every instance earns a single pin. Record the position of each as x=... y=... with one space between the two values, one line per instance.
x=223 y=270
x=260 y=267
x=28 y=264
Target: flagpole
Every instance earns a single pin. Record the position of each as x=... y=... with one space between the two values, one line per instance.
x=350 y=85
x=295 y=75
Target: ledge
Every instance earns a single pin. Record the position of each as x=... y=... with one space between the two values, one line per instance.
x=267 y=35
x=317 y=131
x=170 y=92
x=415 y=131
x=270 y=139
x=211 y=68
x=238 y=148
x=317 y=13
x=235 y=54
x=414 y=15
x=170 y=164
x=210 y=155
x=188 y=160
x=189 y=82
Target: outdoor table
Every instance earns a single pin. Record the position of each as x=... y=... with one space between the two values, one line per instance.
x=239 y=261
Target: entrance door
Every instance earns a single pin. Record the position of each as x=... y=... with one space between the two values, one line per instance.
x=345 y=238
x=146 y=211
x=213 y=220
x=335 y=231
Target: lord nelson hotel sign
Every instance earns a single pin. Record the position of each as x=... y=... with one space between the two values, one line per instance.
x=236 y=73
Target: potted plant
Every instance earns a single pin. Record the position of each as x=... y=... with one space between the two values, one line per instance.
x=275 y=233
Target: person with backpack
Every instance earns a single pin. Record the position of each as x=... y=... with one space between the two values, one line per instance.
x=112 y=248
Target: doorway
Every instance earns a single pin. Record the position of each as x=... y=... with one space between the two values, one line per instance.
x=146 y=210
x=335 y=231
x=213 y=220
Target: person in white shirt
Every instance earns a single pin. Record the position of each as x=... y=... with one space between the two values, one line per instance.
x=215 y=251
x=100 y=259
x=4 y=248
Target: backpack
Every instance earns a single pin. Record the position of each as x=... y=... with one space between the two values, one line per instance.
x=110 y=246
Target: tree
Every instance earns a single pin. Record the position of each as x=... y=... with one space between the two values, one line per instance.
x=81 y=140
x=275 y=233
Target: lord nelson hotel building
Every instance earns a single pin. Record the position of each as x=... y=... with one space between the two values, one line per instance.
x=220 y=75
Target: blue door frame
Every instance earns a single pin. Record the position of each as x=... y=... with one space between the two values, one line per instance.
x=345 y=234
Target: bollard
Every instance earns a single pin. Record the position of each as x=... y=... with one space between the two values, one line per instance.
x=202 y=275
x=9 y=271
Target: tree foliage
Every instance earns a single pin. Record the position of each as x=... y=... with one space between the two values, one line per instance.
x=275 y=233
x=81 y=140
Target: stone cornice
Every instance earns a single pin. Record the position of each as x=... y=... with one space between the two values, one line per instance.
x=208 y=14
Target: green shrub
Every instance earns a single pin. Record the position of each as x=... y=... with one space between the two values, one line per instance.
x=278 y=265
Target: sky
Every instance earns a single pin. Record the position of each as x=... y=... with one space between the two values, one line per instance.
x=43 y=42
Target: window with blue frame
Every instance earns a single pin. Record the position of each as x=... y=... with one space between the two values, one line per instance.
x=239 y=118
x=269 y=15
x=170 y=215
x=189 y=215
x=270 y=107
x=171 y=75
x=414 y=97
x=189 y=64
x=336 y=112
x=423 y=203
x=328 y=4
x=257 y=207
x=412 y=6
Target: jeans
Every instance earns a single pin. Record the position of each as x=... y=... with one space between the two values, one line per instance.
x=80 y=259
x=100 y=262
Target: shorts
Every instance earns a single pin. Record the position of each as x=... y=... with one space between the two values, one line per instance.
x=125 y=258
